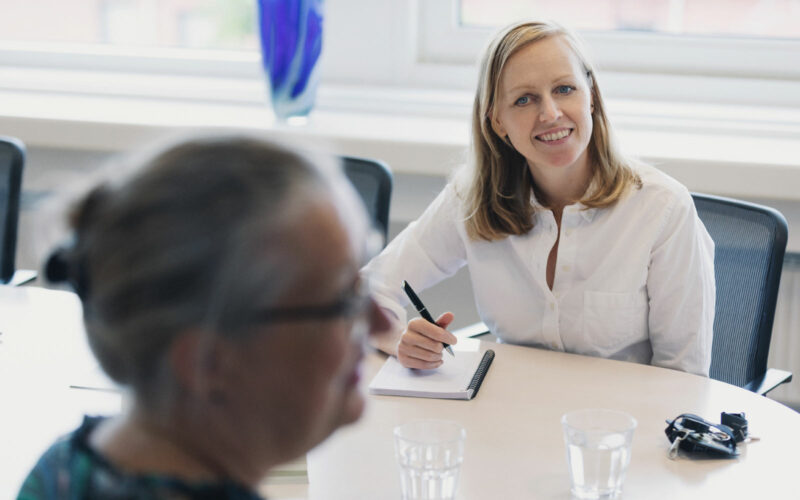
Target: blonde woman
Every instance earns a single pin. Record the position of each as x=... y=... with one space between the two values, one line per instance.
x=570 y=245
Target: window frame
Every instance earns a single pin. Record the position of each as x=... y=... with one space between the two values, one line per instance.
x=418 y=44
x=689 y=68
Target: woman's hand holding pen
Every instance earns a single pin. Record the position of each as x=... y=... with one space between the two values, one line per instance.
x=421 y=346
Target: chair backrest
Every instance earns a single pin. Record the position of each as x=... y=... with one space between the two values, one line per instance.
x=373 y=181
x=750 y=241
x=12 y=159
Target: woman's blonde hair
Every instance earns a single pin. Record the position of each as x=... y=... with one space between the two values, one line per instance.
x=498 y=195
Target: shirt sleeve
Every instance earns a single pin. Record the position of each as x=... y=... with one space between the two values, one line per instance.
x=681 y=291
x=429 y=250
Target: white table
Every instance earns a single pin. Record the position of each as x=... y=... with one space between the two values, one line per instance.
x=515 y=449
x=514 y=444
x=42 y=351
x=44 y=355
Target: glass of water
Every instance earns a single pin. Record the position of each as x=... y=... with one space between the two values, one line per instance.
x=598 y=451
x=429 y=453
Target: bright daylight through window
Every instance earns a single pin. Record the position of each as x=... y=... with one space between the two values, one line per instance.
x=197 y=24
x=714 y=51
x=738 y=18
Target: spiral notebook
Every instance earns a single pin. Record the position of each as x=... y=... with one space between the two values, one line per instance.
x=459 y=377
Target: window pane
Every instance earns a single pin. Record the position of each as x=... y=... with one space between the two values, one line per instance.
x=740 y=18
x=202 y=24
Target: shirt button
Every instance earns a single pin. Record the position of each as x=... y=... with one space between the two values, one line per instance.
x=552 y=306
x=554 y=346
x=567 y=232
x=565 y=268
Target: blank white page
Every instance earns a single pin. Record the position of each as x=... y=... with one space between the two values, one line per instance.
x=449 y=381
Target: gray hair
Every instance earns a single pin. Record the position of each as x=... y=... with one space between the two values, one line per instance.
x=192 y=239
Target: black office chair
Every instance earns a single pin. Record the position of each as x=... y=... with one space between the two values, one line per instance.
x=750 y=241
x=12 y=159
x=373 y=181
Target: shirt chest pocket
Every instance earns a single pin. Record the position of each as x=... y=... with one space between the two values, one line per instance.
x=613 y=320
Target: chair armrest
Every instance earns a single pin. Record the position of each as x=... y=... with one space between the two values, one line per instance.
x=473 y=330
x=771 y=379
x=22 y=276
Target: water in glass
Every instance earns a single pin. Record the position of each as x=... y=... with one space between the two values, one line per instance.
x=597 y=466
x=422 y=479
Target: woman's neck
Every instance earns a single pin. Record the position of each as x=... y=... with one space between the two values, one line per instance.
x=137 y=443
x=557 y=188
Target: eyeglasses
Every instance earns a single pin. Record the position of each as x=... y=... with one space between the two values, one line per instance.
x=350 y=304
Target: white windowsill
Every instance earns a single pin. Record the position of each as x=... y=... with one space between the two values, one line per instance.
x=740 y=151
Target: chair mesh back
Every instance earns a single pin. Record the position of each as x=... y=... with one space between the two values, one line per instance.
x=11 y=161
x=750 y=241
x=373 y=181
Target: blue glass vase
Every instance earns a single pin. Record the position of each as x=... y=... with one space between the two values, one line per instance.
x=291 y=43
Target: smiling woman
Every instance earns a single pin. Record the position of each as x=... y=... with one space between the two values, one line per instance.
x=538 y=102
x=570 y=245
x=544 y=111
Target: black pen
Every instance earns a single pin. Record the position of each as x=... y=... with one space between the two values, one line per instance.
x=423 y=311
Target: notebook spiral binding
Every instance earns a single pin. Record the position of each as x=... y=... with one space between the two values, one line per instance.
x=483 y=367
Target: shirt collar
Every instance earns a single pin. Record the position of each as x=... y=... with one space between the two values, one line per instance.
x=584 y=211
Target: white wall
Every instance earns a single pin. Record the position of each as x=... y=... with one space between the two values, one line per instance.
x=51 y=170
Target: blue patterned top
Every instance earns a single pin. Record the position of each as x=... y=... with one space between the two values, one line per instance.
x=71 y=470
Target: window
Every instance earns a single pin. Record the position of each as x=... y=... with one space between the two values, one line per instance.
x=732 y=51
x=737 y=18
x=717 y=51
x=198 y=24
x=194 y=37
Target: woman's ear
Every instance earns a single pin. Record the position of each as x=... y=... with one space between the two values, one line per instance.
x=198 y=360
x=497 y=126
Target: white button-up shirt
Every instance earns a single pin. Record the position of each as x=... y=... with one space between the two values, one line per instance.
x=634 y=281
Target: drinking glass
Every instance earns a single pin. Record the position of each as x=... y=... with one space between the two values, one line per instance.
x=598 y=451
x=429 y=453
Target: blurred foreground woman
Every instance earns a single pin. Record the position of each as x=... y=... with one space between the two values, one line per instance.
x=220 y=284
